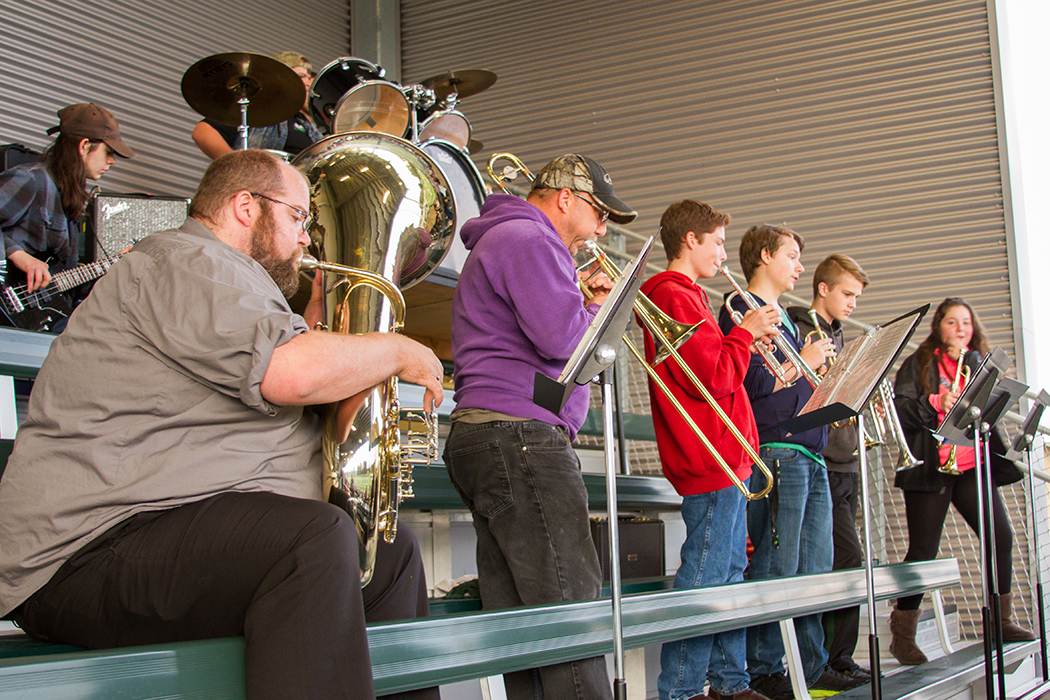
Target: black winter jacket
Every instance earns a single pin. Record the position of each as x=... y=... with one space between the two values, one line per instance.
x=919 y=419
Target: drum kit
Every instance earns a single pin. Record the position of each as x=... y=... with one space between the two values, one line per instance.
x=351 y=95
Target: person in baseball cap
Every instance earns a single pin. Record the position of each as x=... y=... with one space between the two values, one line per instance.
x=582 y=174
x=89 y=121
x=41 y=203
x=518 y=312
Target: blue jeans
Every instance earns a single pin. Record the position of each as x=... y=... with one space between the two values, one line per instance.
x=522 y=483
x=714 y=552
x=791 y=532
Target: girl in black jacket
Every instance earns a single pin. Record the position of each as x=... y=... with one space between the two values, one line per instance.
x=925 y=391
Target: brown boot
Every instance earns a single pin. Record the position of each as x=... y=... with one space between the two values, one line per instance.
x=1012 y=632
x=903 y=624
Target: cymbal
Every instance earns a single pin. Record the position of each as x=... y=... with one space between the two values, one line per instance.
x=212 y=86
x=463 y=82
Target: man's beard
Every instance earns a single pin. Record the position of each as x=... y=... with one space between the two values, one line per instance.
x=285 y=272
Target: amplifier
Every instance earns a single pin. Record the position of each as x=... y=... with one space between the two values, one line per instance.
x=641 y=546
x=115 y=221
x=12 y=154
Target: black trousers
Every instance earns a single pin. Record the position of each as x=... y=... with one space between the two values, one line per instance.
x=926 y=512
x=281 y=571
x=842 y=627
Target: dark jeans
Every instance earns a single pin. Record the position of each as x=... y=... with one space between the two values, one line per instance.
x=926 y=512
x=842 y=627
x=791 y=532
x=281 y=571
x=522 y=483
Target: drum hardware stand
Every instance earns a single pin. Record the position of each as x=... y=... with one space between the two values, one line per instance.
x=242 y=130
x=592 y=358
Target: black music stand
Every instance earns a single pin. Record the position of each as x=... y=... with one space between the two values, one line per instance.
x=594 y=356
x=985 y=400
x=1022 y=443
x=843 y=393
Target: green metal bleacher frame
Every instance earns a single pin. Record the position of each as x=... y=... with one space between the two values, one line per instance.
x=459 y=642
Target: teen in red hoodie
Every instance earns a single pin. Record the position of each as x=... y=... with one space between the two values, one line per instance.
x=713 y=509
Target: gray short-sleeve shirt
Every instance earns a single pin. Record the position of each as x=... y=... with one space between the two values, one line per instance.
x=151 y=399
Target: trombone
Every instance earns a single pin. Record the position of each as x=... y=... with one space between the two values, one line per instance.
x=772 y=364
x=671 y=334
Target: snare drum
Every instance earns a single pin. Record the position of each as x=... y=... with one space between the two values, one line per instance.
x=355 y=88
x=468 y=192
x=446 y=125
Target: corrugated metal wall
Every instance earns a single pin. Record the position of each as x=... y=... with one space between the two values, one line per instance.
x=129 y=56
x=868 y=127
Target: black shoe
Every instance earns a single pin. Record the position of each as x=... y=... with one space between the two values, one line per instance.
x=837 y=681
x=774 y=686
x=854 y=671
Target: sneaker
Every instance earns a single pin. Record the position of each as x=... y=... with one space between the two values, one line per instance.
x=855 y=671
x=837 y=681
x=774 y=686
x=745 y=694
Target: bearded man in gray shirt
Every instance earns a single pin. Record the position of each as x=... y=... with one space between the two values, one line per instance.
x=166 y=484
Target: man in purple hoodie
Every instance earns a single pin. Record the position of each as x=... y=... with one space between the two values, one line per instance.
x=518 y=310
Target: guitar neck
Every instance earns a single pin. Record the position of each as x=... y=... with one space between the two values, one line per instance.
x=80 y=274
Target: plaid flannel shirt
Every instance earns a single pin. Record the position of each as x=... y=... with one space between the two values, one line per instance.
x=31 y=216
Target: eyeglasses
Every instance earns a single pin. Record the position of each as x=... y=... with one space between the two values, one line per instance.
x=603 y=215
x=306 y=218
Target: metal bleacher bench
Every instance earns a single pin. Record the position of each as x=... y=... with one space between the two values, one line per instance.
x=449 y=648
x=459 y=642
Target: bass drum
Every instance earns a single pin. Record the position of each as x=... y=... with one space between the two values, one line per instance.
x=447 y=125
x=468 y=192
x=356 y=89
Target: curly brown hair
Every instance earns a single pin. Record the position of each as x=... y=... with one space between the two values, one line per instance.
x=926 y=352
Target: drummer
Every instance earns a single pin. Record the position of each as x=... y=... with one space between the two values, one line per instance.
x=292 y=136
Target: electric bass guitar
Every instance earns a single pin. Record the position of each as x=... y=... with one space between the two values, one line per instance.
x=42 y=308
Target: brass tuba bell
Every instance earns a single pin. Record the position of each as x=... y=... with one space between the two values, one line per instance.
x=384 y=218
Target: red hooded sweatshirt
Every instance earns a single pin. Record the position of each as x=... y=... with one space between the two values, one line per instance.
x=720 y=362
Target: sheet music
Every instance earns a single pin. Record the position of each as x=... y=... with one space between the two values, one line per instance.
x=846 y=388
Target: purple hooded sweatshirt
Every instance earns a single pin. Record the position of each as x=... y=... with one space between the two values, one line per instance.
x=517 y=310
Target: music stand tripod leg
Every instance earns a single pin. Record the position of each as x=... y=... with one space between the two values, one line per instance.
x=993 y=569
x=869 y=572
x=620 y=682
x=987 y=622
x=1039 y=600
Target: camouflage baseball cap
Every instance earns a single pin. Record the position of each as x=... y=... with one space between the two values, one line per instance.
x=581 y=174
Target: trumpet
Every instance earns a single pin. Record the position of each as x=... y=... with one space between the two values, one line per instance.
x=671 y=335
x=893 y=432
x=772 y=364
x=962 y=378
x=817 y=331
